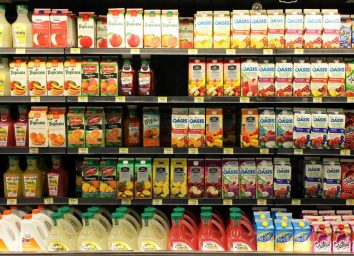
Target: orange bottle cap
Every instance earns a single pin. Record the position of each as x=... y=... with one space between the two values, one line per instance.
x=36 y=211
x=7 y=212
x=28 y=216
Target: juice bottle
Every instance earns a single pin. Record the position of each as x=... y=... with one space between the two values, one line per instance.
x=33 y=234
x=132 y=217
x=189 y=216
x=98 y=215
x=9 y=236
x=215 y=214
x=160 y=217
x=182 y=236
x=13 y=179
x=46 y=220
x=32 y=179
x=93 y=236
x=22 y=28
x=123 y=235
x=4 y=77
x=127 y=82
x=57 y=179
x=211 y=235
x=21 y=127
x=132 y=128
x=69 y=216
x=145 y=79
x=6 y=127
x=5 y=28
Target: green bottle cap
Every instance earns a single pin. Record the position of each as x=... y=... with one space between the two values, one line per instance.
x=118 y=215
x=179 y=210
x=146 y=216
x=234 y=210
x=235 y=216
x=57 y=216
x=64 y=209
x=93 y=209
x=122 y=209
x=176 y=216
x=150 y=210
x=2 y=7
x=206 y=209
x=205 y=215
x=87 y=215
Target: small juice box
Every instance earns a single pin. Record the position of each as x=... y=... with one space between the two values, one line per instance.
x=134 y=28
x=266 y=75
x=90 y=178
x=125 y=178
x=264 y=178
x=179 y=124
x=116 y=28
x=302 y=236
x=221 y=28
x=38 y=127
x=284 y=70
x=341 y=239
x=240 y=29
x=178 y=178
x=151 y=127
x=19 y=78
x=276 y=25
x=196 y=128
x=109 y=77
x=259 y=29
x=108 y=177
x=282 y=178
x=214 y=77
x=41 y=28
x=86 y=30
x=302 y=128
x=284 y=236
x=321 y=237
x=94 y=127
x=56 y=127
x=319 y=128
x=284 y=127
x=55 y=76
x=265 y=235
x=347 y=178
x=232 y=77
x=196 y=76
x=113 y=127
x=336 y=77
x=331 y=28
x=247 y=177
x=294 y=28
x=72 y=77
x=203 y=29
x=213 y=169
x=349 y=78
x=331 y=178
x=230 y=178
x=90 y=77
x=37 y=77
x=345 y=38
x=214 y=127
x=313 y=178
x=101 y=35
x=170 y=29
x=75 y=121
x=349 y=130
x=336 y=128
x=186 y=32
x=249 y=77
x=152 y=28
x=302 y=77
x=196 y=186
x=267 y=135
x=161 y=177
x=249 y=128
x=143 y=178
x=313 y=28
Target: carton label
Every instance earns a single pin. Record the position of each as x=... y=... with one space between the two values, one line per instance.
x=134 y=28
x=186 y=32
x=230 y=179
x=247 y=179
x=232 y=78
x=178 y=178
x=12 y=185
x=115 y=28
x=241 y=30
x=276 y=24
x=18 y=78
x=259 y=29
x=313 y=31
x=196 y=130
x=203 y=31
x=264 y=179
x=302 y=130
x=195 y=178
x=283 y=79
x=169 y=29
x=331 y=30
x=72 y=76
x=331 y=181
x=294 y=28
x=214 y=84
x=249 y=78
x=313 y=180
x=55 y=78
x=336 y=79
x=196 y=78
x=37 y=78
x=221 y=29
x=152 y=29
x=90 y=79
x=267 y=134
x=266 y=79
x=319 y=123
x=179 y=136
x=301 y=81
x=282 y=178
x=30 y=185
x=125 y=177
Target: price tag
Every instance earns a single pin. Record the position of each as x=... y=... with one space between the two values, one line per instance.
x=120 y=99
x=75 y=50
x=82 y=99
x=261 y=201
x=345 y=152
x=230 y=51
x=11 y=201
x=264 y=151
x=193 y=151
x=48 y=200
x=156 y=201
x=161 y=99
x=35 y=99
x=192 y=51
x=123 y=151
x=317 y=99
x=134 y=51
x=349 y=202
x=198 y=99
x=168 y=151
x=299 y=51
x=267 y=51
x=33 y=151
x=20 y=50
x=227 y=202
x=126 y=201
x=350 y=99
x=193 y=201
x=296 y=201
x=228 y=151
x=244 y=99
x=83 y=151
x=298 y=151
x=73 y=201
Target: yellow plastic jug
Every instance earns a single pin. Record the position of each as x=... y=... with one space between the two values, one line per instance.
x=93 y=236
x=152 y=236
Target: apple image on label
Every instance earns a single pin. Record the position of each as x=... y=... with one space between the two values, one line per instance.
x=40 y=39
x=115 y=40
x=58 y=39
x=85 y=41
x=133 y=40
x=102 y=43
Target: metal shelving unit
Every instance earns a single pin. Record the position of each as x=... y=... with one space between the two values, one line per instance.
x=27 y=150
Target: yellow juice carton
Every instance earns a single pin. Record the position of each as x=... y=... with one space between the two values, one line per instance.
x=221 y=28
x=331 y=28
x=319 y=77
x=56 y=127
x=125 y=178
x=265 y=235
x=196 y=76
x=38 y=127
x=170 y=29
x=214 y=83
x=259 y=29
x=203 y=29
x=161 y=177
x=186 y=32
x=152 y=29
x=196 y=128
x=313 y=28
x=232 y=77
x=276 y=25
x=55 y=76
x=302 y=236
x=37 y=77
x=284 y=236
x=294 y=28
x=179 y=124
x=19 y=78
x=336 y=77
x=116 y=28
x=178 y=178
x=72 y=77
x=134 y=28
x=240 y=29
x=143 y=178
x=214 y=127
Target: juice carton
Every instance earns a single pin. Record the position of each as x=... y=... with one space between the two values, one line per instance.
x=134 y=28
x=332 y=218
x=161 y=177
x=196 y=186
x=143 y=178
x=341 y=237
x=275 y=210
x=152 y=28
x=108 y=177
x=196 y=76
x=55 y=76
x=282 y=178
x=75 y=121
x=116 y=28
x=321 y=237
x=319 y=128
x=101 y=35
x=90 y=177
x=336 y=77
x=313 y=28
x=109 y=77
x=61 y=32
x=262 y=215
x=170 y=29
x=41 y=28
x=72 y=77
x=56 y=127
x=284 y=127
x=37 y=77
x=203 y=29
x=267 y=135
x=38 y=127
x=266 y=69
x=151 y=127
x=347 y=178
x=213 y=169
x=179 y=124
x=349 y=78
x=264 y=178
x=345 y=38
x=276 y=26
x=86 y=30
x=302 y=234
x=284 y=236
x=313 y=178
x=221 y=28
x=349 y=130
x=186 y=32
x=265 y=235
x=294 y=28
x=178 y=178
x=309 y=213
x=125 y=178
x=302 y=128
x=302 y=77
x=214 y=77
x=90 y=79
x=230 y=178
x=247 y=177
x=113 y=127
x=196 y=128
x=249 y=128
x=336 y=128
x=240 y=29
x=331 y=28
x=249 y=77
x=285 y=216
x=259 y=29
x=232 y=77
x=312 y=218
x=284 y=77
x=331 y=178
x=94 y=127
x=18 y=78
x=214 y=127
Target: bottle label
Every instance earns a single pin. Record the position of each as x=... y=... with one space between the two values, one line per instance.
x=29 y=244
x=30 y=185
x=149 y=246
x=20 y=34
x=57 y=246
x=53 y=184
x=120 y=246
x=12 y=183
x=133 y=132
x=20 y=134
x=181 y=247
x=4 y=134
x=211 y=246
x=240 y=247
x=87 y=245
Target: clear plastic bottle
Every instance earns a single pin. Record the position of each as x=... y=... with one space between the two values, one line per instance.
x=32 y=179
x=13 y=179
x=152 y=236
x=131 y=218
x=101 y=218
x=5 y=29
x=93 y=236
x=71 y=219
x=22 y=28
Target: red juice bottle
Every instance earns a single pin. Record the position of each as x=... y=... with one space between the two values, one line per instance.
x=6 y=127
x=127 y=79
x=21 y=127
x=57 y=179
x=145 y=79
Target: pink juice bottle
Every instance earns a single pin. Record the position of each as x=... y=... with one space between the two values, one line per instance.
x=211 y=235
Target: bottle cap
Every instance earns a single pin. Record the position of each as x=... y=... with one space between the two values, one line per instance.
x=176 y=216
x=87 y=215
x=179 y=210
x=93 y=209
x=122 y=209
x=234 y=210
x=118 y=215
x=146 y=215
x=7 y=212
x=36 y=211
x=57 y=216
x=151 y=210
x=206 y=209
x=235 y=216
x=205 y=215
x=64 y=209
x=27 y=216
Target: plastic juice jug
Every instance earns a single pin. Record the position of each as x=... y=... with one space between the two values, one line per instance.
x=243 y=215
x=216 y=215
x=21 y=127
x=284 y=236
x=164 y=219
x=186 y=217
x=265 y=235
x=211 y=235
x=100 y=218
x=9 y=215
x=33 y=234
x=5 y=77
x=20 y=213
x=130 y=218
x=9 y=236
x=6 y=127
x=22 y=28
x=44 y=210
x=133 y=213
x=71 y=219
x=302 y=234
x=152 y=236
x=182 y=236
x=13 y=179
x=5 y=28
x=38 y=215
x=123 y=236
x=57 y=179
x=32 y=179
x=93 y=236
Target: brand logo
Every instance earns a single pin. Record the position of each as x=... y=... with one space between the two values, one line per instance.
x=303 y=119
x=266 y=69
x=90 y=171
x=322 y=70
x=337 y=120
x=313 y=20
x=247 y=171
x=265 y=171
x=267 y=120
x=294 y=20
x=301 y=236
x=264 y=237
x=249 y=69
x=282 y=69
x=75 y=121
x=320 y=119
x=204 y=23
x=106 y=171
x=90 y=69
x=94 y=120
x=241 y=21
x=332 y=171
x=180 y=120
x=333 y=20
x=336 y=69
x=222 y=23
x=314 y=169
x=285 y=121
x=283 y=237
x=302 y=70
x=283 y=171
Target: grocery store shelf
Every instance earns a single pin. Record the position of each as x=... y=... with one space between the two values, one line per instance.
x=314 y=201
x=315 y=152
x=319 y=51
x=31 y=51
x=26 y=150
x=32 y=99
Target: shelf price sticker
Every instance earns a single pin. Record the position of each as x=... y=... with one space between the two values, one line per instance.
x=193 y=201
x=192 y=51
x=198 y=99
x=350 y=99
x=168 y=151
x=82 y=99
x=83 y=151
x=75 y=50
x=345 y=152
x=193 y=151
x=295 y=201
x=162 y=99
x=298 y=151
x=349 y=202
x=20 y=50
x=261 y=201
x=228 y=151
x=123 y=151
x=317 y=99
x=299 y=51
x=48 y=200
x=11 y=201
x=267 y=51
x=134 y=51
x=227 y=201
x=73 y=201
x=230 y=51
x=156 y=201
x=33 y=151
x=125 y=201
x=35 y=99
x=264 y=151
x=119 y=99
x=244 y=99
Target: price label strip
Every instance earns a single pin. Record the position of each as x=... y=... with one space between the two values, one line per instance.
x=168 y=151
x=35 y=99
x=261 y=201
x=298 y=151
x=192 y=51
x=193 y=201
x=48 y=200
x=33 y=151
x=296 y=201
x=126 y=201
x=227 y=202
x=135 y=51
x=228 y=151
x=20 y=51
x=230 y=51
x=162 y=99
x=83 y=151
x=244 y=99
x=193 y=151
x=73 y=201
x=82 y=99
x=198 y=99
x=123 y=151
x=156 y=201
x=345 y=152
x=264 y=151
x=120 y=99
x=11 y=201
x=75 y=51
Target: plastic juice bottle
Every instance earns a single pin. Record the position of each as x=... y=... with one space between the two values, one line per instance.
x=127 y=76
x=21 y=127
x=302 y=234
x=186 y=217
x=152 y=236
x=20 y=213
x=5 y=28
x=47 y=221
x=32 y=179
x=160 y=217
x=215 y=215
x=243 y=215
x=211 y=235
x=130 y=218
x=6 y=127
x=4 y=77
x=182 y=236
x=93 y=236
x=9 y=236
x=22 y=28
x=71 y=219
x=100 y=218
x=131 y=212
x=265 y=235
x=57 y=179
x=132 y=128
x=13 y=179
x=123 y=236
x=145 y=79
x=12 y=217
x=33 y=234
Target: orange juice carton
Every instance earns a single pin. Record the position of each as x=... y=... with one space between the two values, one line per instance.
x=349 y=77
x=94 y=127
x=319 y=77
x=294 y=28
x=37 y=77
x=90 y=77
x=178 y=178
x=331 y=28
x=161 y=177
x=214 y=77
x=125 y=178
x=143 y=178
x=284 y=236
x=284 y=127
x=249 y=77
x=214 y=127
x=196 y=128
x=75 y=121
x=86 y=30
x=230 y=178
x=249 y=128
x=221 y=28
x=57 y=127
x=336 y=128
x=240 y=29
x=313 y=28
x=267 y=135
x=41 y=28
x=101 y=35
x=345 y=38
x=203 y=29
x=19 y=77
x=347 y=179
x=302 y=127
x=319 y=128
x=109 y=77
x=276 y=26
x=247 y=177
x=72 y=77
x=196 y=178
x=170 y=29
x=213 y=178
x=38 y=127
x=282 y=178
x=151 y=127
x=302 y=235
x=108 y=177
x=266 y=75
x=342 y=237
x=196 y=76
x=302 y=77
x=134 y=27
x=336 y=77
x=179 y=124
x=321 y=237
x=264 y=178
x=55 y=76
x=331 y=178
x=265 y=235
x=186 y=32
x=152 y=28
x=232 y=77
x=284 y=70
x=90 y=177
x=116 y=28
x=259 y=29
x=113 y=127
x=313 y=178
x=61 y=33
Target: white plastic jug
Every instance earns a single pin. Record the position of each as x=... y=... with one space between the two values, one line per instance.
x=45 y=210
x=156 y=216
x=9 y=236
x=130 y=217
x=33 y=234
x=38 y=215
x=101 y=219
x=153 y=236
x=69 y=217
x=12 y=217
x=93 y=236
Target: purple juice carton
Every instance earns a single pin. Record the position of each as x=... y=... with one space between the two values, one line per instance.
x=345 y=38
x=282 y=178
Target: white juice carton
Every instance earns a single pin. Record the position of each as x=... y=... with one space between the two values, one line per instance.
x=282 y=178
x=313 y=28
x=319 y=77
x=86 y=30
x=179 y=124
x=38 y=127
x=302 y=127
x=264 y=178
x=249 y=77
x=259 y=29
x=266 y=68
x=221 y=28
x=203 y=29
x=319 y=128
x=230 y=178
x=284 y=127
x=336 y=77
x=116 y=28
x=267 y=135
x=276 y=25
x=331 y=28
x=19 y=77
x=152 y=28
x=196 y=128
x=294 y=28
x=72 y=77
x=331 y=178
x=55 y=76
x=247 y=177
x=101 y=36
x=283 y=77
x=313 y=178
x=170 y=29
x=134 y=28
x=37 y=77
x=336 y=128
x=302 y=77
x=240 y=29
